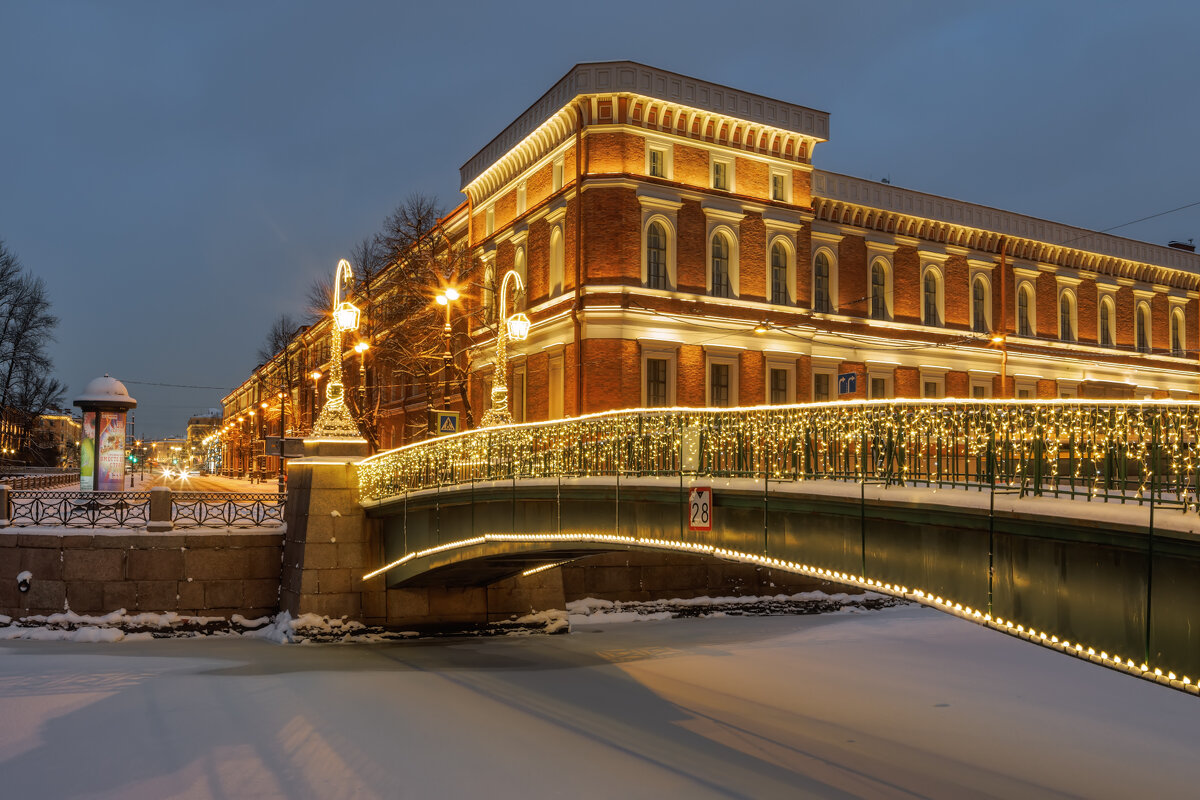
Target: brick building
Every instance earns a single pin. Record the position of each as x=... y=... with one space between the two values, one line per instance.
x=679 y=248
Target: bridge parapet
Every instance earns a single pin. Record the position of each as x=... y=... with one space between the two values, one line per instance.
x=1137 y=452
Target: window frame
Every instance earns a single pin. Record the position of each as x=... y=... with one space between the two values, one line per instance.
x=939 y=298
x=729 y=236
x=731 y=361
x=789 y=269
x=1141 y=312
x=786 y=366
x=557 y=264
x=1025 y=291
x=882 y=304
x=830 y=280
x=728 y=164
x=786 y=182
x=667 y=150
x=1107 y=310
x=1072 y=299
x=1178 y=325
x=983 y=281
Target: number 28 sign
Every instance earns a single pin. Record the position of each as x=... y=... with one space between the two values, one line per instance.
x=700 y=508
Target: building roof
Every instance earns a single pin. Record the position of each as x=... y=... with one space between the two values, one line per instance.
x=629 y=76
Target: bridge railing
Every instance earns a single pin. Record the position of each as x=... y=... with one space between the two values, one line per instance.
x=41 y=509
x=1098 y=450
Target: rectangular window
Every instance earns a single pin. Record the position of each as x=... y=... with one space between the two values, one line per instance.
x=718 y=388
x=656 y=382
x=720 y=175
x=779 y=187
x=821 y=387
x=779 y=387
x=658 y=162
x=878 y=388
x=930 y=390
x=1024 y=394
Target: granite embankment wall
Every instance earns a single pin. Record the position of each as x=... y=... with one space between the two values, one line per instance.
x=213 y=573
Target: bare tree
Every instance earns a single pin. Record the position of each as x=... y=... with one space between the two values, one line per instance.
x=26 y=327
x=283 y=375
x=408 y=261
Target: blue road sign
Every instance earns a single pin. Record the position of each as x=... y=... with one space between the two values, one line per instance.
x=447 y=422
x=847 y=382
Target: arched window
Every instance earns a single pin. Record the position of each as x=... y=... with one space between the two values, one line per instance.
x=1178 y=347
x=1108 y=314
x=930 y=291
x=779 y=274
x=1143 y=328
x=979 y=315
x=519 y=266
x=1025 y=310
x=1066 y=317
x=656 y=257
x=720 y=267
x=878 y=291
x=489 y=293
x=821 y=299
x=556 y=262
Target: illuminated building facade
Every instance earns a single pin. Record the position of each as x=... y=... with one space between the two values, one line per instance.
x=678 y=247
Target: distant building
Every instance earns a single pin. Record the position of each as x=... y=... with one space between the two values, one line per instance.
x=679 y=248
x=56 y=434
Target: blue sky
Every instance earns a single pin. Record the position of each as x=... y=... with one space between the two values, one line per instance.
x=179 y=173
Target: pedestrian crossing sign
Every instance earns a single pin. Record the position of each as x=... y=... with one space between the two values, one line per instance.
x=447 y=422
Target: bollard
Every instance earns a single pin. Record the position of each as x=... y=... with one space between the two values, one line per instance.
x=160 y=510
x=4 y=498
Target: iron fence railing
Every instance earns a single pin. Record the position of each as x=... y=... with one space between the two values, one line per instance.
x=40 y=481
x=79 y=509
x=225 y=510
x=132 y=509
x=1120 y=452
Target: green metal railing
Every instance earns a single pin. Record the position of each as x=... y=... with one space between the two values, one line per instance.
x=1118 y=452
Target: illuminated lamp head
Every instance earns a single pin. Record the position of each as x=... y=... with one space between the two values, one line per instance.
x=518 y=326
x=346 y=316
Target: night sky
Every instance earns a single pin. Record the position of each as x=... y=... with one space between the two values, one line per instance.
x=179 y=173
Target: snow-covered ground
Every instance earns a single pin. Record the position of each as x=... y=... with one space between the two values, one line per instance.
x=891 y=703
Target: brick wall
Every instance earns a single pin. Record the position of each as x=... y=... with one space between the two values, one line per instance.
x=690 y=378
x=906 y=285
x=690 y=248
x=612 y=236
x=852 y=276
x=752 y=258
x=192 y=573
x=612 y=375
x=751 y=387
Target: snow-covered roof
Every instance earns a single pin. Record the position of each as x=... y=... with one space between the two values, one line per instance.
x=105 y=391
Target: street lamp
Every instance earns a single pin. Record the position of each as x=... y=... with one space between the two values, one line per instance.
x=335 y=421
x=316 y=379
x=448 y=296
x=515 y=327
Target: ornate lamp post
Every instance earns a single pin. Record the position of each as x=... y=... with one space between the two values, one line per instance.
x=515 y=327
x=335 y=421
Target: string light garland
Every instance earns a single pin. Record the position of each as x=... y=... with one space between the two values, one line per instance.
x=916 y=595
x=1093 y=450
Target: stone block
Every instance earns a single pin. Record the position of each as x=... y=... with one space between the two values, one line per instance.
x=308 y=582
x=332 y=605
x=37 y=541
x=79 y=541
x=45 y=597
x=407 y=603
x=44 y=563
x=374 y=608
x=352 y=555
x=86 y=597
x=9 y=537
x=222 y=594
x=318 y=555
x=157 y=596
x=10 y=564
x=262 y=562
x=222 y=564
x=457 y=602
x=191 y=597
x=333 y=581
x=198 y=541
x=155 y=565
x=261 y=594
x=120 y=594
x=611 y=580
x=122 y=541
x=97 y=565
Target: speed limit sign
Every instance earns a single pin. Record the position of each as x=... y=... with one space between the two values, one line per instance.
x=700 y=508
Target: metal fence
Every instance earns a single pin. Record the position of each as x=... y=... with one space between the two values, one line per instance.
x=1098 y=450
x=44 y=480
x=79 y=509
x=133 y=509
x=225 y=510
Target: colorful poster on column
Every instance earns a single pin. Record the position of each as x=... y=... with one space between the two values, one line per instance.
x=110 y=461
x=87 y=453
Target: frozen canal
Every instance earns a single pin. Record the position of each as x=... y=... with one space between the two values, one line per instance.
x=904 y=702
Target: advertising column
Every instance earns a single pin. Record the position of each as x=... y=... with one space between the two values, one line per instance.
x=104 y=403
x=87 y=453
